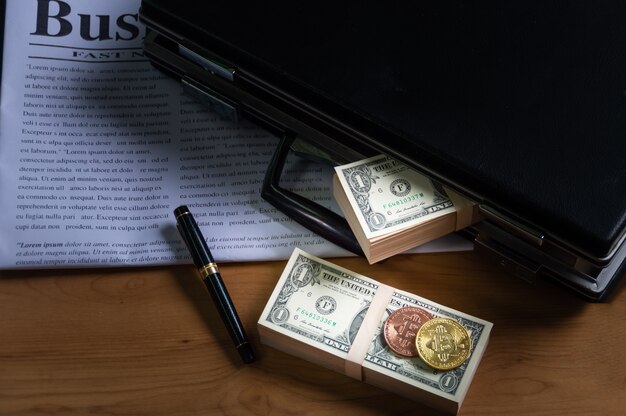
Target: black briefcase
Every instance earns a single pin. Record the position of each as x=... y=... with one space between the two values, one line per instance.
x=519 y=106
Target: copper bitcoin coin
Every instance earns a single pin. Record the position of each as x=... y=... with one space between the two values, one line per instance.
x=401 y=328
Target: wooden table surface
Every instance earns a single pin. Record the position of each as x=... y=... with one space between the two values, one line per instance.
x=148 y=341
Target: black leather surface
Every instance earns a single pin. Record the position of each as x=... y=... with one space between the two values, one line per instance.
x=523 y=103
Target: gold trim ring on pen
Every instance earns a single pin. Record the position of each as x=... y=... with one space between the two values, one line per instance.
x=209 y=269
x=182 y=214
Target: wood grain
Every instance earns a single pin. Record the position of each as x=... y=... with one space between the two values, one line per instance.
x=148 y=341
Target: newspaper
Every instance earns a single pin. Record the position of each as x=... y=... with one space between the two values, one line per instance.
x=97 y=148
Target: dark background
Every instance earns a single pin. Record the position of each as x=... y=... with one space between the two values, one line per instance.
x=2 y=7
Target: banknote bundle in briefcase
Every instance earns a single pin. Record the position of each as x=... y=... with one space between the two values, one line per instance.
x=374 y=333
x=392 y=208
x=517 y=106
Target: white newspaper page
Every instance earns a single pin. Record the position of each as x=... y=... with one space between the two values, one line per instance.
x=97 y=148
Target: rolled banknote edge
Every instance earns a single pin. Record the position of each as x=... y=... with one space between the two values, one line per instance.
x=465 y=209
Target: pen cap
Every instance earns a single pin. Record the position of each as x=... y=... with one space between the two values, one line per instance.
x=193 y=238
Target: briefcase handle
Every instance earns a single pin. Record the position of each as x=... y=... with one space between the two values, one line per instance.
x=311 y=215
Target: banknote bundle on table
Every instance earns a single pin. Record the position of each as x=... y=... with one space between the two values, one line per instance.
x=392 y=208
x=383 y=336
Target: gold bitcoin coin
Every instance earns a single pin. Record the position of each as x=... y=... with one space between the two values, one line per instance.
x=443 y=343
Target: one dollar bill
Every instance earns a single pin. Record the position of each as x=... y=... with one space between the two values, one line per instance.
x=387 y=196
x=321 y=305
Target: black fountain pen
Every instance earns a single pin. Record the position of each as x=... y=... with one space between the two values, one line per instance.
x=202 y=258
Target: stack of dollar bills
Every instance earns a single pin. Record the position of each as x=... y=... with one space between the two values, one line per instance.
x=336 y=318
x=392 y=208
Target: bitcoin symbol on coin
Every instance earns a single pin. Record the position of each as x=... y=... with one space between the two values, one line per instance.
x=401 y=329
x=443 y=343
